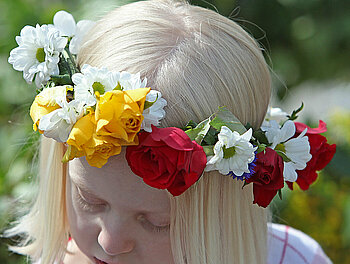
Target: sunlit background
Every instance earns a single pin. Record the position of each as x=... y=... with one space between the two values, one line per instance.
x=307 y=45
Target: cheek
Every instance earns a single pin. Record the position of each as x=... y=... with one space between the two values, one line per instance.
x=81 y=227
x=155 y=248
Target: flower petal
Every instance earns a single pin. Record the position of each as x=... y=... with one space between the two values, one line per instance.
x=82 y=28
x=289 y=172
x=65 y=23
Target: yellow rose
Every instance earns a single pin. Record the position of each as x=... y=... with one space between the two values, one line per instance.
x=119 y=114
x=45 y=102
x=71 y=153
x=84 y=141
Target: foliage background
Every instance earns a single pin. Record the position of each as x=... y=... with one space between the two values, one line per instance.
x=307 y=47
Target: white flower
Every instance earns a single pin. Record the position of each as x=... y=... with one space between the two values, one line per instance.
x=233 y=152
x=274 y=114
x=296 y=149
x=93 y=79
x=277 y=135
x=65 y=23
x=59 y=123
x=153 y=114
x=38 y=53
x=130 y=81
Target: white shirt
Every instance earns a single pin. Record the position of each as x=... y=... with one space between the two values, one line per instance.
x=290 y=246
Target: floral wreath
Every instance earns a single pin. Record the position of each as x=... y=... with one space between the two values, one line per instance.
x=95 y=112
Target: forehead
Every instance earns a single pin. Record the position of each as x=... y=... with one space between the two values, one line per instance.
x=118 y=185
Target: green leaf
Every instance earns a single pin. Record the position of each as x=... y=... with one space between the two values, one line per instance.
x=149 y=104
x=190 y=124
x=62 y=79
x=70 y=60
x=225 y=118
x=211 y=137
x=295 y=113
x=283 y=155
x=118 y=88
x=67 y=64
x=260 y=136
x=248 y=125
x=66 y=155
x=203 y=132
x=209 y=150
x=261 y=148
x=199 y=132
x=63 y=66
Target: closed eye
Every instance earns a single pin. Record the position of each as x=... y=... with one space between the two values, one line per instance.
x=151 y=226
x=87 y=204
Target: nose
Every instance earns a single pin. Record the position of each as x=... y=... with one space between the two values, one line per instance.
x=115 y=238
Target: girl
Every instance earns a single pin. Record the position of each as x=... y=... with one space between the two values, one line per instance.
x=198 y=60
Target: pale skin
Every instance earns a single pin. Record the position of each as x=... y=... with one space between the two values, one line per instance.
x=115 y=217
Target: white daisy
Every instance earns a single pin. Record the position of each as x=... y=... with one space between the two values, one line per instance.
x=59 y=123
x=233 y=153
x=276 y=134
x=153 y=114
x=92 y=79
x=65 y=23
x=38 y=53
x=274 y=114
x=296 y=149
x=130 y=81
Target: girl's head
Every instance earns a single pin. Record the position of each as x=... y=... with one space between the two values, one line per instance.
x=199 y=60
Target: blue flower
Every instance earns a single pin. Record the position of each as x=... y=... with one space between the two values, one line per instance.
x=245 y=175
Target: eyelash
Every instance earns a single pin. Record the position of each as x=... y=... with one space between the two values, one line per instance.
x=85 y=205
x=88 y=207
x=153 y=228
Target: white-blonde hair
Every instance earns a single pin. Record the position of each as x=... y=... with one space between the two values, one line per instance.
x=198 y=60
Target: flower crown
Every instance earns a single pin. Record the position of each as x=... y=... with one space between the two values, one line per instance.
x=96 y=111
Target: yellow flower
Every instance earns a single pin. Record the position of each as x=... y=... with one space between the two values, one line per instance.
x=71 y=153
x=84 y=141
x=45 y=102
x=119 y=114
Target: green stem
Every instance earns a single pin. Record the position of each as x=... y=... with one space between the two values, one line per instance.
x=70 y=61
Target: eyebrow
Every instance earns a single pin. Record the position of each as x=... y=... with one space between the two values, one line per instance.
x=83 y=187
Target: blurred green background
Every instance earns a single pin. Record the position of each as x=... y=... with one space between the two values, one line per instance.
x=306 y=44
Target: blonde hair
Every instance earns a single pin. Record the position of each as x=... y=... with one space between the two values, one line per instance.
x=198 y=60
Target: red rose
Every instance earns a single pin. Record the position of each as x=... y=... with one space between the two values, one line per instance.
x=167 y=159
x=322 y=153
x=268 y=177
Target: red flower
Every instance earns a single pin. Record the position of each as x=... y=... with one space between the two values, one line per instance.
x=322 y=153
x=167 y=159
x=268 y=178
